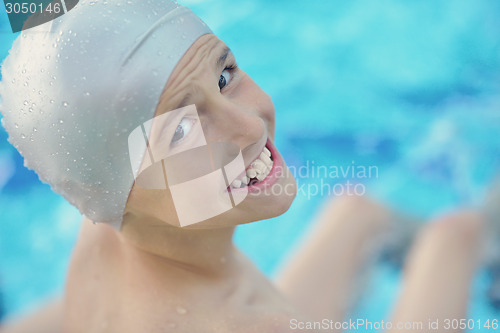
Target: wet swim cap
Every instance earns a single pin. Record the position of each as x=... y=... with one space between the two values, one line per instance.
x=74 y=88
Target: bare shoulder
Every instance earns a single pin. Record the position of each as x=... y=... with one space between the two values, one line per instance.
x=91 y=283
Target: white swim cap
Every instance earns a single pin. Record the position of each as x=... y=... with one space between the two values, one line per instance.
x=74 y=88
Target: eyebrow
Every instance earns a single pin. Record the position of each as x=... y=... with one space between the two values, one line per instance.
x=220 y=63
x=222 y=59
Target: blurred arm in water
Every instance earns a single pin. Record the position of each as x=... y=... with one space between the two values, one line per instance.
x=437 y=272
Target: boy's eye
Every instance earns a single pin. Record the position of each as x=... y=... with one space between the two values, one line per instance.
x=224 y=79
x=182 y=130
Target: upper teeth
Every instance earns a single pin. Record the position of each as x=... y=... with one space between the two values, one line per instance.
x=259 y=169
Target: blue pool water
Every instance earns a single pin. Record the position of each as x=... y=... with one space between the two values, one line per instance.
x=409 y=87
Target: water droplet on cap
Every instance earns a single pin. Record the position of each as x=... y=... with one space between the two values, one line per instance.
x=65 y=104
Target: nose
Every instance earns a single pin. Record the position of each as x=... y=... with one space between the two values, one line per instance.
x=229 y=121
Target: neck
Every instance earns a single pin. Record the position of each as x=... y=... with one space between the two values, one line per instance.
x=204 y=251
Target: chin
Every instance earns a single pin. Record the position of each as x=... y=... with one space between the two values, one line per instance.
x=251 y=210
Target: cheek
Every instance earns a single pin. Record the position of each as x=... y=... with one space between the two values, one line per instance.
x=256 y=100
x=268 y=112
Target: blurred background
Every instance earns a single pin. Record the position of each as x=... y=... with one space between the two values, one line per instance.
x=411 y=88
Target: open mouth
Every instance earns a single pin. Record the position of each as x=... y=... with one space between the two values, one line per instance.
x=257 y=171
